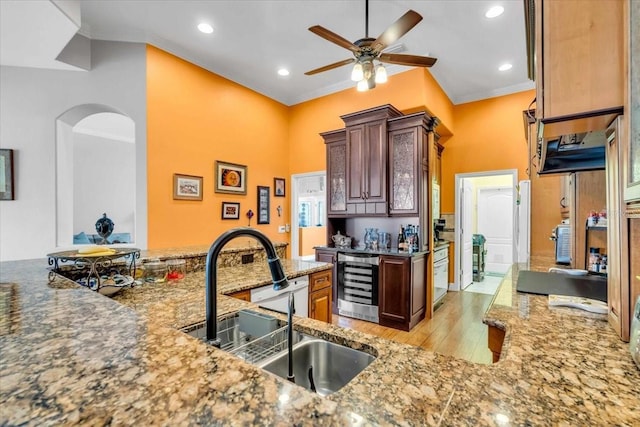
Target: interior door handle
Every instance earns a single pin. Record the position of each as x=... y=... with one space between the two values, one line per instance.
x=562 y=203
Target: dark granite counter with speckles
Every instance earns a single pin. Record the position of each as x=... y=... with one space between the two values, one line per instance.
x=70 y=356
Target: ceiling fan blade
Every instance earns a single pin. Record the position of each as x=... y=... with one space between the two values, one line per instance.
x=334 y=38
x=330 y=66
x=396 y=30
x=410 y=60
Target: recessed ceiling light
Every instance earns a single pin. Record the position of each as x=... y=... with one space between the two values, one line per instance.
x=205 y=28
x=283 y=72
x=505 y=67
x=494 y=11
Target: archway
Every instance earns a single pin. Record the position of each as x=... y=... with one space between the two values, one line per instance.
x=96 y=174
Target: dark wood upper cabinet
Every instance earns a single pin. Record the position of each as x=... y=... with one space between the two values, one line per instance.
x=336 y=172
x=375 y=166
x=367 y=161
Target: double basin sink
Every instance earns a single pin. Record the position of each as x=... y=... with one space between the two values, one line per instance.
x=318 y=365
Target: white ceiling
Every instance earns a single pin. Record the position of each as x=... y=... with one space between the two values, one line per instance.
x=253 y=38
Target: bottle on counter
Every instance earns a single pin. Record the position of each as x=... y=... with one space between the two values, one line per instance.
x=594 y=259
x=401 y=243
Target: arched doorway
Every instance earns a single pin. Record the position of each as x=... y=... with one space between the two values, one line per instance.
x=96 y=164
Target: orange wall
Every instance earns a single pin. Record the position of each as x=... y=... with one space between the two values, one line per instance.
x=489 y=135
x=194 y=118
x=411 y=91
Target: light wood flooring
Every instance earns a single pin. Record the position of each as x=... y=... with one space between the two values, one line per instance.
x=456 y=328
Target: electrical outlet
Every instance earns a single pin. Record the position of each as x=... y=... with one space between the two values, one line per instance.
x=281 y=229
x=287 y=228
x=247 y=258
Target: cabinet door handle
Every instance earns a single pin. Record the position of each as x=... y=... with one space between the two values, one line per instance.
x=324 y=279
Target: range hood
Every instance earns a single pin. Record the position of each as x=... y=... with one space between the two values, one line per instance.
x=574 y=143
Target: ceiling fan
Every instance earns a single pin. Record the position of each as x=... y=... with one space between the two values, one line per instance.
x=367 y=49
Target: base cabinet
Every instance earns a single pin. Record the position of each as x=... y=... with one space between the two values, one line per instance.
x=402 y=291
x=320 y=295
x=496 y=338
x=331 y=257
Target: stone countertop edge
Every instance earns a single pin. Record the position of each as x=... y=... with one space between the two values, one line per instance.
x=391 y=252
x=71 y=356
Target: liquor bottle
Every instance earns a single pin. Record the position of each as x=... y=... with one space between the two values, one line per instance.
x=401 y=244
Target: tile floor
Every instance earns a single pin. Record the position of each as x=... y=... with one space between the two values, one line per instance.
x=488 y=286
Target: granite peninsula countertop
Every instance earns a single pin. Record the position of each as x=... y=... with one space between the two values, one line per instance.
x=71 y=356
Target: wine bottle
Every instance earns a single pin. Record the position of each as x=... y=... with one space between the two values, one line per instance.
x=401 y=244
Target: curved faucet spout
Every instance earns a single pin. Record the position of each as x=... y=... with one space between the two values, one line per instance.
x=277 y=273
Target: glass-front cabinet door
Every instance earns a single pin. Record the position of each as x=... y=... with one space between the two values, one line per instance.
x=336 y=172
x=403 y=171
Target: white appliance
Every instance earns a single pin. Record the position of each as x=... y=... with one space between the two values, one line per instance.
x=523 y=235
x=271 y=299
x=440 y=274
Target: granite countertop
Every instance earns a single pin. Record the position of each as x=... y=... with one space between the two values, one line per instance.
x=71 y=356
x=362 y=250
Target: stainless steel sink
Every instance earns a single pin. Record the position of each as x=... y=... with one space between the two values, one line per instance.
x=262 y=340
x=319 y=365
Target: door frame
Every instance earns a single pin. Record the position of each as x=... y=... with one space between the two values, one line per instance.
x=295 y=224
x=458 y=220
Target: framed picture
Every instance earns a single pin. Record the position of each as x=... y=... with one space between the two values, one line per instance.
x=6 y=174
x=230 y=210
x=231 y=178
x=187 y=187
x=632 y=153
x=263 y=205
x=278 y=187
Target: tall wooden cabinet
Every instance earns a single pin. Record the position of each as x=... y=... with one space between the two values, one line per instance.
x=579 y=56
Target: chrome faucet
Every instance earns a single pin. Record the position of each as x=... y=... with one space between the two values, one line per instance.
x=277 y=274
x=290 y=310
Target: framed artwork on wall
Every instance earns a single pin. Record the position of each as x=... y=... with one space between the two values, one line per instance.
x=279 y=187
x=231 y=178
x=187 y=187
x=6 y=174
x=230 y=210
x=263 y=205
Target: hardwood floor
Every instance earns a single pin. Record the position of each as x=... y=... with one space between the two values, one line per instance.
x=456 y=328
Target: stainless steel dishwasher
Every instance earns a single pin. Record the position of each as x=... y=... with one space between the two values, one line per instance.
x=358 y=286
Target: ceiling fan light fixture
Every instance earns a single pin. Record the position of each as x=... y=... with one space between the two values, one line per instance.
x=357 y=74
x=362 y=86
x=381 y=74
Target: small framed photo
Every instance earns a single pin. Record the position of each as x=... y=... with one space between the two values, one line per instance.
x=6 y=174
x=279 y=187
x=187 y=187
x=231 y=178
x=263 y=205
x=230 y=210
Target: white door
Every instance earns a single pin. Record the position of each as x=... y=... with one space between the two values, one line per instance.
x=466 y=233
x=495 y=222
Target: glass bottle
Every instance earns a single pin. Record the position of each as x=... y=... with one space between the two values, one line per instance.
x=401 y=244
